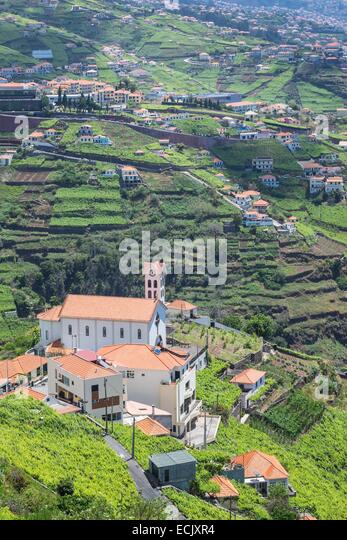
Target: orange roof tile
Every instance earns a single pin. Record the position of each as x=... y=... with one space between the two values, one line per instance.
x=143 y=357
x=248 y=376
x=257 y=463
x=226 y=488
x=25 y=391
x=152 y=427
x=22 y=365
x=114 y=308
x=82 y=368
x=261 y=202
x=52 y=314
x=181 y=305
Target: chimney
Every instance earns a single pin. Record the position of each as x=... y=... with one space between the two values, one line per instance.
x=153 y=411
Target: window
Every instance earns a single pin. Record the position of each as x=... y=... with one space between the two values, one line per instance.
x=47 y=335
x=149 y=283
x=155 y=294
x=139 y=334
x=70 y=330
x=122 y=333
x=149 y=294
x=155 y=283
x=95 y=388
x=87 y=331
x=130 y=374
x=104 y=331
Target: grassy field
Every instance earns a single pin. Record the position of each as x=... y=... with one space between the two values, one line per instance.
x=239 y=155
x=318 y=99
x=68 y=445
x=224 y=345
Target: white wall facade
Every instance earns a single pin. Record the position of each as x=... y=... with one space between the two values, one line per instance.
x=73 y=332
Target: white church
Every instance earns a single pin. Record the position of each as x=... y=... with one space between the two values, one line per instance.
x=92 y=322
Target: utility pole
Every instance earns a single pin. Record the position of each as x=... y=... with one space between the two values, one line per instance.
x=133 y=440
x=106 y=410
x=205 y=430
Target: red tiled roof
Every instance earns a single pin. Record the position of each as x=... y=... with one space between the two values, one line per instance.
x=257 y=463
x=25 y=391
x=226 y=488
x=248 y=376
x=152 y=427
x=143 y=357
x=114 y=308
x=181 y=305
x=82 y=368
x=22 y=365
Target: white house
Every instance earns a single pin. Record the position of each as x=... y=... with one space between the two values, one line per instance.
x=263 y=163
x=249 y=381
x=160 y=377
x=130 y=176
x=181 y=308
x=334 y=184
x=317 y=184
x=92 y=322
x=82 y=381
x=5 y=159
x=269 y=180
x=258 y=470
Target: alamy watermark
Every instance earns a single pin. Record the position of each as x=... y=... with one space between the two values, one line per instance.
x=202 y=256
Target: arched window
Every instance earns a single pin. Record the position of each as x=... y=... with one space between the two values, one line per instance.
x=149 y=294
x=149 y=283
x=87 y=331
x=155 y=283
x=139 y=334
x=104 y=331
x=70 y=330
x=122 y=333
x=155 y=294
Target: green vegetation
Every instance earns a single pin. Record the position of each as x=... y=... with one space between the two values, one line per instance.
x=194 y=508
x=217 y=394
x=225 y=345
x=315 y=462
x=69 y=446
x=239 y=155
x=145 y=445
x=295 y=416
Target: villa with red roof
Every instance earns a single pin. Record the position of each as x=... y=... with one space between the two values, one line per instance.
x=249 y=381
x=258 y=470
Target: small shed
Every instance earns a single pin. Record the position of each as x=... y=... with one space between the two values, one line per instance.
x=173 y=468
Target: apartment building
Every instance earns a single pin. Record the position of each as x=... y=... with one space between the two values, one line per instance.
x=130 y=176
x=81 y=380
x=263 y=163
x=160 y=377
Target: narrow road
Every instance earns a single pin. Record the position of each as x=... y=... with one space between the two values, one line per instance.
x=139 y=477
x=143 y=486
x=203 y=183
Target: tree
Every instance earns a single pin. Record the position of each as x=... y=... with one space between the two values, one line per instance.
x=278 y=504
x=261 y=325
x=233 y=321
x=65 y=487
x=59 y=101
x=64 y=101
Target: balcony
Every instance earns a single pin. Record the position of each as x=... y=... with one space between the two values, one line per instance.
x=194 y=410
